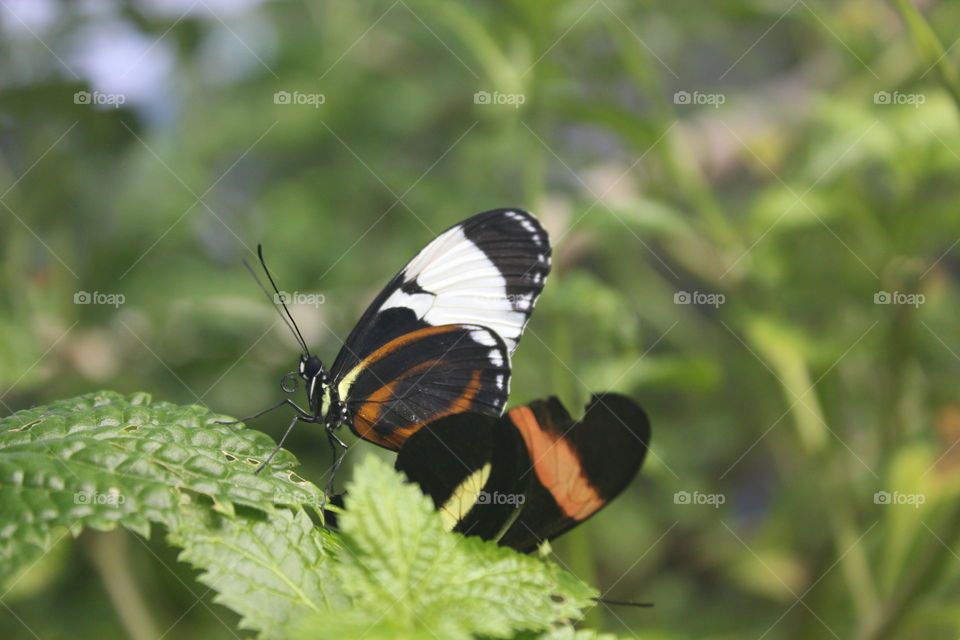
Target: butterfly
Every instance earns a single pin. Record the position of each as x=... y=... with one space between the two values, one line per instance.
x=435 y=342
x=532 y=474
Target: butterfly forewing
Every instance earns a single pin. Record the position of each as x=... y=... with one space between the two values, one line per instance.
x=487 y=270
x=424 y=375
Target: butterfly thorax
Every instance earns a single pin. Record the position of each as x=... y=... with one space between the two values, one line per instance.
x=330 y=407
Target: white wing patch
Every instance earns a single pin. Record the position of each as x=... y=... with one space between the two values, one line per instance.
x=464 y=286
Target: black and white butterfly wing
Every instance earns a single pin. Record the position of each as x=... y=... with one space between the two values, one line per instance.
x=438 y=339
x=488 y=270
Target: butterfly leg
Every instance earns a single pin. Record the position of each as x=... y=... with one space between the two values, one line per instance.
x=279 y=444
x=338 y=449
x=302 y=413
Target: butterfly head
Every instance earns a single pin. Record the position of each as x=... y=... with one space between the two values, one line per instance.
x=311 y=367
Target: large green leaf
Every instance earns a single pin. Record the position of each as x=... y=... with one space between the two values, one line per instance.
x=104 y=460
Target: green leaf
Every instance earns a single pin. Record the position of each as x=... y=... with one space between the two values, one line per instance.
x=272 y=572
x=568 y=633
x=103 y=460
x=408 y=578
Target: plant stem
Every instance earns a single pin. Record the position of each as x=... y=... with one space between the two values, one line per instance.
x=930 y=47
x=883 y=619
x=790 y=368
x=108 y=555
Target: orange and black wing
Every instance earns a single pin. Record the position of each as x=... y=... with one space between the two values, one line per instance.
x=532 y=474
x=422 y=376
x=576 y=468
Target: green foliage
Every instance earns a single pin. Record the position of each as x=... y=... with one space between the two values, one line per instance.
x=105 y=460
x=101 y=460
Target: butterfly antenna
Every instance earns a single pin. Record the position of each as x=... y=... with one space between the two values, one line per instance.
x=270 y=299
x=287 y=319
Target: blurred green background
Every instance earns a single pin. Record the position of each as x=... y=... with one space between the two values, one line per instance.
x=787 y=169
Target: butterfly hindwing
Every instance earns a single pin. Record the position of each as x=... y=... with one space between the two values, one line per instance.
x=487 y=270
x=576 y=467
x=540 y=472
x=422 y=376
x=472 y=467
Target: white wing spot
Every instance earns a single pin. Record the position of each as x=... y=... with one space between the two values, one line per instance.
x=483 y=337
x=524 y=301
x=500 y=381
x=496 y=358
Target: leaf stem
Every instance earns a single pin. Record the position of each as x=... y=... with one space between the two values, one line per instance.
x=107 y=553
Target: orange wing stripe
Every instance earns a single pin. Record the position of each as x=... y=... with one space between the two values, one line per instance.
x=558 y=466
x=369 y=413
x=406 y=339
